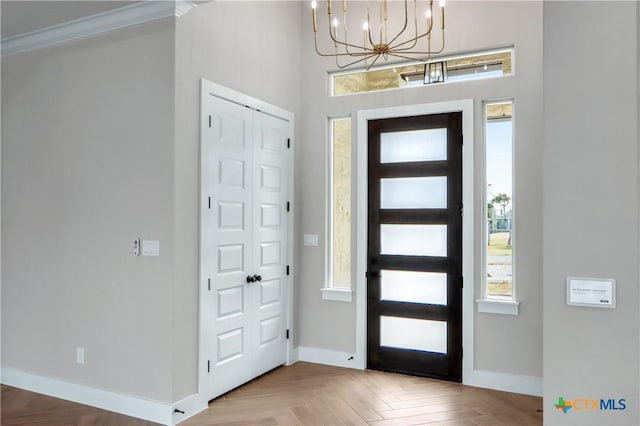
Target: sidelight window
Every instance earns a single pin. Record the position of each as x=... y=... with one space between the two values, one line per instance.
x=499 y=202
x=339 y=265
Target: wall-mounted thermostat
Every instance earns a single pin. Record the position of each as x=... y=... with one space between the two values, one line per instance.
x=591 y=292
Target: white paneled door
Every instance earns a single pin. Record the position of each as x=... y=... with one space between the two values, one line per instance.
x=244 y=232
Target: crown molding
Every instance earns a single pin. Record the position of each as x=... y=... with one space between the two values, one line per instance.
x=95 y=25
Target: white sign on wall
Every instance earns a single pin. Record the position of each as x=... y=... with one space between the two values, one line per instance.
x=591 y=292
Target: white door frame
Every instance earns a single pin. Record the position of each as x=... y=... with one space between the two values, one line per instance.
x=468 y=257
x=208 y=88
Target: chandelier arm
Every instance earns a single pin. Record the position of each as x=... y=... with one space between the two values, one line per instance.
x=397 y=55
x=429 y=52
x=374 y=61
x=406 y=22
x=413 y=40
x=346 y=47
x=369 y=24
x=339 y=54
x=358 y=61
x=344 y=43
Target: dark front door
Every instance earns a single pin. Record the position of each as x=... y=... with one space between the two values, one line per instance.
x=414 y=259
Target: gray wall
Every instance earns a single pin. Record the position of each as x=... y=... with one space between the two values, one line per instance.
x=471 y=26
x=251 y=47
x=101 y=144
x=87 y=165
x=591 y=204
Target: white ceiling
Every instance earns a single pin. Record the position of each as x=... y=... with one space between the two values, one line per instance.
x=19 y=17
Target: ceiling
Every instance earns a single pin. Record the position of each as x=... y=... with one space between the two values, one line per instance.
x=19 y=17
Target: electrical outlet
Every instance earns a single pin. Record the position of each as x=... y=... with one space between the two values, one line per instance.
x=136 y=247
x=80 y=355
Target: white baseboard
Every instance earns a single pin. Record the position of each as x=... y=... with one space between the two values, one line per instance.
x=188 y=407
x=528 y=385
x=154 y=411
x=328 y=357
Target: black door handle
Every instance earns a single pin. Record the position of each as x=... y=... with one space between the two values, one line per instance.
x=257 y=278
x=251 y=279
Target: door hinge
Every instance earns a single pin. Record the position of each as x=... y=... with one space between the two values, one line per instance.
x=287 y=334
x=209 y=283
x=461 y=209
x=288 y=143
x=209 y=202
x=209 y=121
x=208 y=366
x=288 y=206
x=287 y=269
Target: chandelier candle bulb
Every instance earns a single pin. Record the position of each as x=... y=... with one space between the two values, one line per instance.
x=314 y=4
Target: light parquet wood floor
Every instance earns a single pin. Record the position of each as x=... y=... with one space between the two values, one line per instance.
x=312 y=394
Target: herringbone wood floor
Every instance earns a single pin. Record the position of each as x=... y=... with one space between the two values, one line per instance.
x=311 y=394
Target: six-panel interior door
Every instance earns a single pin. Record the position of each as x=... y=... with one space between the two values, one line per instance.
x=246 y=243
x=270 y=240
x=414 y=270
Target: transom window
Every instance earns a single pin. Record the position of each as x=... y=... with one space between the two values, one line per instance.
x=493 y=63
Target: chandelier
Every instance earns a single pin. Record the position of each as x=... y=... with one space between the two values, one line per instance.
x=408 y=39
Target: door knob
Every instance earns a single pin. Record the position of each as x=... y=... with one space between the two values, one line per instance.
x=257 y=278
x=251 y=279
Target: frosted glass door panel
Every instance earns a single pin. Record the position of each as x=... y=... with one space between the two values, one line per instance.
x=413 y=145
x=416 y=334
x=413 y=287
x=414 y=193
x=413 y=240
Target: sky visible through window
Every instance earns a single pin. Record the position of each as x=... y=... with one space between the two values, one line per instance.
x=499 y=154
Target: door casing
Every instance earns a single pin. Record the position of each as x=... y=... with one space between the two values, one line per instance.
x=468 y=221
x=209 y=88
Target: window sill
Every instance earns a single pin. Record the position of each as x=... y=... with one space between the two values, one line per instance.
x=502 y=307
x=337 y=294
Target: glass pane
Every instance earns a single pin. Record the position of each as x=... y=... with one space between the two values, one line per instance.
x=410 y=333
x=479 y=65
x=414 y=193
x=341 y=203
x=413 y=240
x=414 y=145
x=499 y=170
x=414 y=287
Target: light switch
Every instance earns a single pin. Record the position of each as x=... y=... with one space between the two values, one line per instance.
x=310 y=240
x=150 y=248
